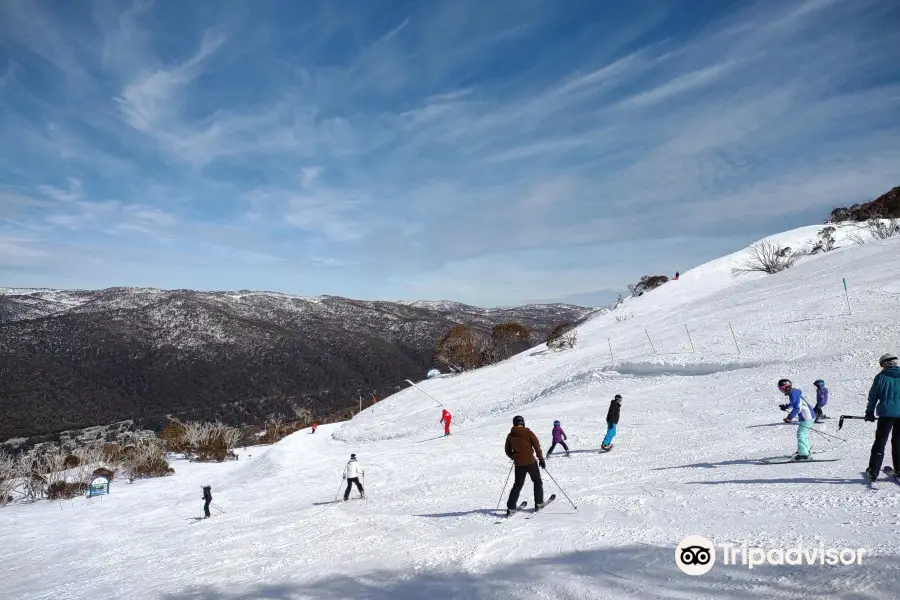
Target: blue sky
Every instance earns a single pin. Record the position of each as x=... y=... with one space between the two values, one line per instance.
x=495 y=153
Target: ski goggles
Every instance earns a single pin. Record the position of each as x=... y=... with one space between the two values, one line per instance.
x=784 y=386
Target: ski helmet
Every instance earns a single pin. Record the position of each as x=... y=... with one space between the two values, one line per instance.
x=888 y=359
x=519 y=420
x=618 y=397
x=555 y=423
x=819 y=383
x=784 y=384
x=352 y=457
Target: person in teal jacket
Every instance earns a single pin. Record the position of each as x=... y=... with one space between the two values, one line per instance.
x=884 y=402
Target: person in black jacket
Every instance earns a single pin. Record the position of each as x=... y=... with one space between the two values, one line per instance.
x=207 y=497
x=612 y=419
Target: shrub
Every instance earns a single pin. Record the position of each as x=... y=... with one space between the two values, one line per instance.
x=463 y=346
x=825 y=242
x=562 y=336
x=508 y=339
x=647 y=283
x=767 y=257
x=62 y=490
x=71 y=461
x=103 y=472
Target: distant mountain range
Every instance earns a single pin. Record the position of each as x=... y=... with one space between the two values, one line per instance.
x=71 y=359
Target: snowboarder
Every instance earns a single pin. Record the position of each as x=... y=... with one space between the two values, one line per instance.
x=884 y=401
x=798 y=407
x=521 y=447
x=351 y=473
x=207 y=499
x=445 y=419
x=559 y=437
x=821 y=400
x=612 y=419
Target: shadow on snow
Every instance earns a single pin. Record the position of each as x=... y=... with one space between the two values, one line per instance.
x=633 y=571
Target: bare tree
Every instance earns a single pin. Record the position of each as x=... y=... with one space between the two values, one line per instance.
x=232 y=436
x=146 y=458
x=9 y=477
x=88 y=460
x=276 y=420
x=767 y=257
x=303 y=415
x=195 y=434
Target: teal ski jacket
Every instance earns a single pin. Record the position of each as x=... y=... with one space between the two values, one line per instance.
x=884 y=396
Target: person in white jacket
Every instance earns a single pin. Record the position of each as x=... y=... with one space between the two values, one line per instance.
x=352 y=472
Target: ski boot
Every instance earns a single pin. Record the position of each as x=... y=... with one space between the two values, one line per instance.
x=801 y=457
x=872 y=476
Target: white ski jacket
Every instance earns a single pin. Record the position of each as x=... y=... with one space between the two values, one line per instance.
x=353 y=470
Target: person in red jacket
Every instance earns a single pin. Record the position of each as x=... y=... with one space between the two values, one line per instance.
x=445 y=419
x=314 y=428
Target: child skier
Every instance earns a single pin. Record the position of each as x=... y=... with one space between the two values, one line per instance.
x=612 y=419
x=798 y=406
x=207 y=499
x=445 y=419
x=313 y=428
x=351 y=473
x=559 y=437
x=821 y=400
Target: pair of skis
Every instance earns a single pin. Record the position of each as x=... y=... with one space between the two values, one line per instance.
x=522 y=506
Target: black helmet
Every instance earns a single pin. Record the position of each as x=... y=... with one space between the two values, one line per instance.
x=783 y=384
x=519 y=420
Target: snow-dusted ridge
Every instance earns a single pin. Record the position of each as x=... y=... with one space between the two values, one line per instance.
x=692 y=425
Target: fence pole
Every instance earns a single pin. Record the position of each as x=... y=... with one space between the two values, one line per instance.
x=847 y=294
x=735 y=338
x=651 y=341
x=610 y=350
x=689 y=338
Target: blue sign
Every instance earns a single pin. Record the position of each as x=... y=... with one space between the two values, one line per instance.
x=99 y=487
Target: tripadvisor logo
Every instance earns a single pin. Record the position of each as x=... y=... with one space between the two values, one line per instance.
x=696 y=555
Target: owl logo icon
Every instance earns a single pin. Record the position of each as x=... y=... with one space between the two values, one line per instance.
x=695 y=555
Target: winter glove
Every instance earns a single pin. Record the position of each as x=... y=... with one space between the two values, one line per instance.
x=787 y=420
x=542 y=463
x=783 y=406
x=870 y=417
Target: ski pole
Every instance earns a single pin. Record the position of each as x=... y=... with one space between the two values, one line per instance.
x=841 y=420
x=504 y=485
x=338 y=495
x=217 y=507
x=827 y=435
x=560 y=489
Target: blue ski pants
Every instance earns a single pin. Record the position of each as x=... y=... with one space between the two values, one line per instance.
x=610 y=433
x=803 y=428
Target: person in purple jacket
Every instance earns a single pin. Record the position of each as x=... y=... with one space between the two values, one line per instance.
x=821 y=400
x=559 y=437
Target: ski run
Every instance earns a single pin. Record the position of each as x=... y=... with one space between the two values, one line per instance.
x=698 y=428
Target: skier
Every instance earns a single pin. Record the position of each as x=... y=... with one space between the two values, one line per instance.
x=798 y=406
x=821 y=400
x=313 y=428
x=612 y=419
x=445 y=419
x=676 y=275
x=884 y=400
x=207 y=499
x=351 y=473
x=559 y=437
x=521 y=447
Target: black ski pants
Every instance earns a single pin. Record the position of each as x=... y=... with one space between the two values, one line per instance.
x=553 y=445
x=350 y=483
x=882 y=431
x=206 y=507
x=535 y=472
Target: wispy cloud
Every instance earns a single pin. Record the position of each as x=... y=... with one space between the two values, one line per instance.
x=407 y=150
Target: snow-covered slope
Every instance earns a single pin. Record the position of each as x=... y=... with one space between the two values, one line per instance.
x=693 y=425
